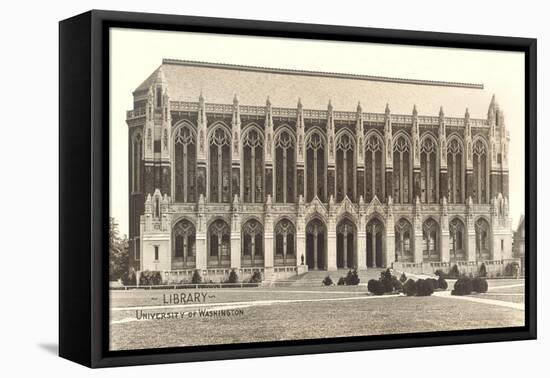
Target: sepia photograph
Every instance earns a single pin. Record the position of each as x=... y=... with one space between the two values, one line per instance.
x=267 y=189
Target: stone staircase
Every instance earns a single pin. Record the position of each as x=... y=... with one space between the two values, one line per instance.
x=315 y=277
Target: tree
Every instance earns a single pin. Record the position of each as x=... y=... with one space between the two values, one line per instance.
x=118 y=252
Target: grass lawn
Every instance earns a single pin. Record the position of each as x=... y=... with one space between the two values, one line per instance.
x=270 y=314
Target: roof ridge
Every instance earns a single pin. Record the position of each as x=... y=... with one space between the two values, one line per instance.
x=320 y=73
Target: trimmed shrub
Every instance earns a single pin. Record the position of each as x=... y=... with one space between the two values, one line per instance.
x=454 y=272
x=256 y=277
x=233 y=277
x=386 y=279
x=196 y=279
x=150 y=278
x=479 y=285
x=403 y=278
x=327 y=281
x=397 y=285
x=440 y=273
x=463 y=286
x=341 y=281
x=424 y=288
x=482 y=271
x=375 y=287
x=433 y=282
x=409 y=288
x=442 y=284
x=352 y=278
x=128 y=278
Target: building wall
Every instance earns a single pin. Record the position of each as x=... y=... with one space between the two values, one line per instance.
x=381 y=172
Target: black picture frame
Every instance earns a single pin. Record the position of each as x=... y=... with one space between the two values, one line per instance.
x=84 y=189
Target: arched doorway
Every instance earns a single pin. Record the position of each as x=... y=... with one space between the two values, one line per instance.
x=483 y=239
x=252 y=247
x=375 y=234
x=285 y=243
x=219 y=244
x=345 y=244
x=183 y=245
x=430 y=235
x=315 y=244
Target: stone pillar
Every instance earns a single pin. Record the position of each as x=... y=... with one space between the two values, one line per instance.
x=471 y=251
x=236 y=234
x=389 y=246
x=268 y=239
x=361 y=260
x=201 y=252
x=444 y=246
x=331 y=243
x=418 y=235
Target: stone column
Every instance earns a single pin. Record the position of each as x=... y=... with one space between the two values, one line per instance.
x=236 y=234
x=201 y=252
x=331 y=242
x=268 y=239
x=418 y=235
x=361 y=261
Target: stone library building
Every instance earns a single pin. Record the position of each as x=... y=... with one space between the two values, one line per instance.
x=286 y=171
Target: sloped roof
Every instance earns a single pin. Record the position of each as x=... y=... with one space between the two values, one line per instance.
x=220 y=82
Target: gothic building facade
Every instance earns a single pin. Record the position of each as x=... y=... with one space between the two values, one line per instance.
x=251 y=185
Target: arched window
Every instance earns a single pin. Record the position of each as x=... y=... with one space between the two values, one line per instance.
x=183 y=239
x=252 y=242
x=403 y=241
x=455 y=169
x=219 y=243
x=137 y=153
x=430 y=235
x=284 y=167
x=457 y=233
x=220 y=166
x=315 y=167
x=374 y=170
x=284 y=242
x=483 y=245
x=253 y=166
x=480 y=172
x=402 y=170
x=428 y=171
x=185 y=159
x=345 y=167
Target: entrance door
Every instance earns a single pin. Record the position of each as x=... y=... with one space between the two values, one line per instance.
x=345 y=245
x=375 y=232
x=315 y=245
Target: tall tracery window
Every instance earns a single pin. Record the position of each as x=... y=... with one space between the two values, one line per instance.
x=456 y=243
x=402 y=170
x=345 y=168
x=284 y=241
x=455 y=169
x=480 y=172
x=184 y=240
x=284 y=167
x=252 y=241
x=374 y=170
x=483 y=250
x=430 y=235
x=315 y=167
x=185 y=157
x=253 y=166
x=428 y=171
x=137 y=153
x=219 y=242
x=403 y=241
x=220 y=166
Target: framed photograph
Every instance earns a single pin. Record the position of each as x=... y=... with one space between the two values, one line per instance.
x=236 y=188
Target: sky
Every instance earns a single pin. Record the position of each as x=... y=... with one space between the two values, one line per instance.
x=135 y=54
